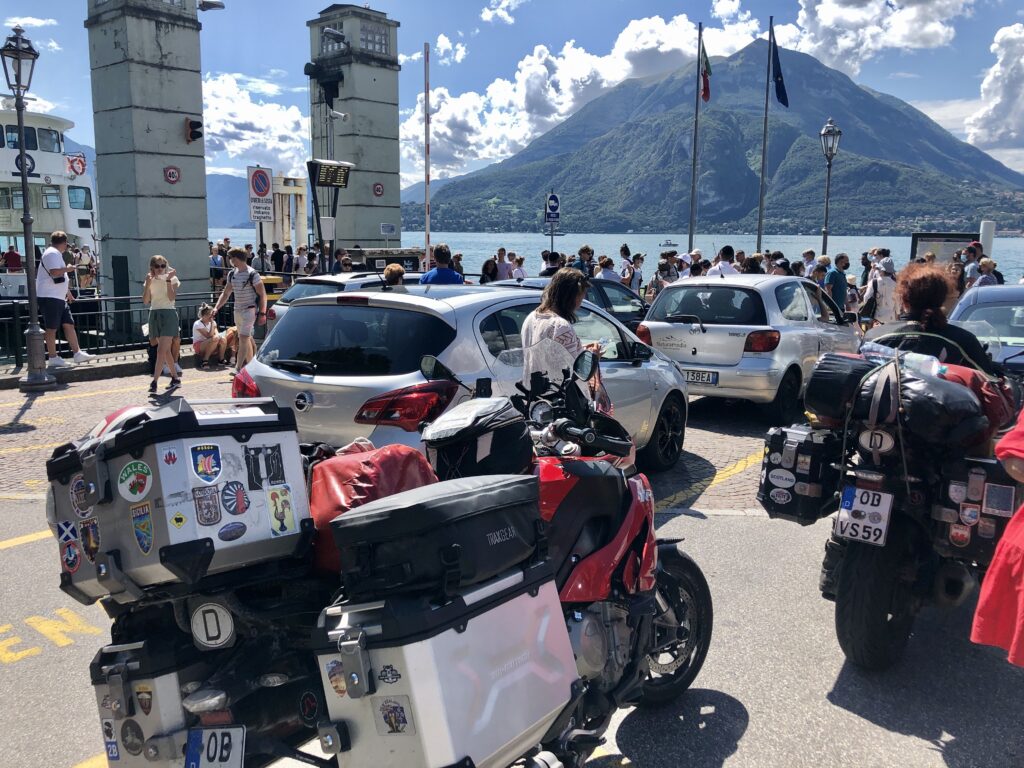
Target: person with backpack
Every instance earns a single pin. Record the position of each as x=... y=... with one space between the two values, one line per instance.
x=250 y=294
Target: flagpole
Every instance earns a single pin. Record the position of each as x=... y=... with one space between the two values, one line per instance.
x=426 y=156
x=696 y=124
x=764 y=138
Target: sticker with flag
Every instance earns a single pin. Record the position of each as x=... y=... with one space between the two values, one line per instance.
x=780 y=84
x=705 y=74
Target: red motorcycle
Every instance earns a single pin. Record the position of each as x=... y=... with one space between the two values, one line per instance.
x=637 y=608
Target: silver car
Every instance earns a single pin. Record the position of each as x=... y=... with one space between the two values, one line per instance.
x=318 y=285
x=349 y=364
x=752 y=337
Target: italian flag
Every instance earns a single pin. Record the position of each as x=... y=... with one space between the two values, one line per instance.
x=705 y=74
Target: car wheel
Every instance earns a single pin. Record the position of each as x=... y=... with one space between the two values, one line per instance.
x=666 y=444
x=788 y=406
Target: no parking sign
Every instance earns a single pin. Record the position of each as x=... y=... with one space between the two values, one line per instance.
x=261 y=198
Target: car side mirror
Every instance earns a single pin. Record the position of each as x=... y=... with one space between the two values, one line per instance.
x=585 y=365
x=850 y=318
x=641 y=353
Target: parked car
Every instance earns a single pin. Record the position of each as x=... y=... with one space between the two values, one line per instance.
x=349 y=364
x=613 y=297
x=1001 y=307
x=753 y=337
x=305 y=287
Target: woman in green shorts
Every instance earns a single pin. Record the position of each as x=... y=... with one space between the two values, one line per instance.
x=160 y=289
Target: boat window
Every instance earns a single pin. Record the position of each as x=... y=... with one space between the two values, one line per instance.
x=80 y=198
x=5 y=198
x=30 y=138
x=49 y=140
x=51 y=197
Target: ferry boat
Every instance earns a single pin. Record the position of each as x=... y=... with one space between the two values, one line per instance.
x=60 y=189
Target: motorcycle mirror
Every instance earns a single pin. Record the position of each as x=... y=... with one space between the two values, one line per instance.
x=585 y=365
x=483 y=387
x=434 y=370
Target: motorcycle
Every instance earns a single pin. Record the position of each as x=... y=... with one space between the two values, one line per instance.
x=918 y=506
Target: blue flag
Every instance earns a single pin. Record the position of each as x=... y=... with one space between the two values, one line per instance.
x=780 y=84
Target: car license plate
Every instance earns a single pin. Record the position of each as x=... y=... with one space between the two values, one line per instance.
x=702 y=377
x=215 y=747
x=864 y=515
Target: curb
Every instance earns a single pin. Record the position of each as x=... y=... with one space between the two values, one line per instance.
x=102 y=369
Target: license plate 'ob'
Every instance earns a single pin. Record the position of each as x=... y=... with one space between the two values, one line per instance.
x=702 y=377
x=215 y=747
x=864 y=515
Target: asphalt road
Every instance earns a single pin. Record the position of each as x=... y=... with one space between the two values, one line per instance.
x=775 y=690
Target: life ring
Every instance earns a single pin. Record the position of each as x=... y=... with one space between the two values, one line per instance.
x=76 y=165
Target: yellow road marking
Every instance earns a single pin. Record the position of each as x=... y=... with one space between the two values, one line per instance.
x=27 y=448
x=97 y=761
x=22 y=496
x=703 y=486
x=77 y=396
x=28 y=538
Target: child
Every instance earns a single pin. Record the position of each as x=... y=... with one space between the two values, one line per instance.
x=207 y=343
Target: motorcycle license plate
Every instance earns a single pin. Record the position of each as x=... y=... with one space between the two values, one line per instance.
x=864 y=515
x=215 y=747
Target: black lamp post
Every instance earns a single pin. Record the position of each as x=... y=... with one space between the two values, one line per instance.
x=19 y=58
x=830 y=136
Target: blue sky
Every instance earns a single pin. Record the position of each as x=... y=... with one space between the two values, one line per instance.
x=505 y=71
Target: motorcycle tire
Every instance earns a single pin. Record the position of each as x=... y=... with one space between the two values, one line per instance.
x=682 y=587
x=875 y=607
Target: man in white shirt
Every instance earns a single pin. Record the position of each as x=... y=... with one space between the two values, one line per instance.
x=52 y=288
x=724 y=265
x=810 y=258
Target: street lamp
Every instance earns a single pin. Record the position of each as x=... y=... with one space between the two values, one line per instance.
x=19 y=58
x=830 y=136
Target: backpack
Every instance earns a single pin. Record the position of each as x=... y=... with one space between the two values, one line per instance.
x=626 y=275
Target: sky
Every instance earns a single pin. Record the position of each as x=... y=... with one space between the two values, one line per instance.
x=505 y=71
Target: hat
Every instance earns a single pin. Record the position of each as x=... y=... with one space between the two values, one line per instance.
x=780 y=263
x=685 y=257
x=85 y=247
x=977 y=246
x=887 y=265
x=852 y=280
x=697 y=252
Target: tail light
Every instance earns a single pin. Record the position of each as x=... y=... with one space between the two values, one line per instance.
x=644 y=334
x=408 y=408
x=244 y=385
x=271 y=314
x=762 y=341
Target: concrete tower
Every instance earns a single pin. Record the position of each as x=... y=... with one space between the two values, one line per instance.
x=358 y=78
x=151 y=182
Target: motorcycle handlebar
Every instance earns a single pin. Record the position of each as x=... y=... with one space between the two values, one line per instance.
x=591 y=439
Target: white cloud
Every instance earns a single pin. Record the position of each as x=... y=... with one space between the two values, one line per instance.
x=39 y=104
x=403 y=59
x=999 y=123
x=447 y=53
x=501 y=10
x=1011 y=158
x=52 y=46
x=951 y=113
x=904 y=76
x=28 y=22
x=239 y=127
x=226 y=170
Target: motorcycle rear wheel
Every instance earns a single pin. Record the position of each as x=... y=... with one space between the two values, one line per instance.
x=685 y=609
x=875 y=607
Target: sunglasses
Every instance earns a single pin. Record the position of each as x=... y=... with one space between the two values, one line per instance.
x=160 y=266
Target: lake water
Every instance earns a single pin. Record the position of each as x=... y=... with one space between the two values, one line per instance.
x=478 y=246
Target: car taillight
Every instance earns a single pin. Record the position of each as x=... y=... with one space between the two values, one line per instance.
x=271 y=314
x=244 y=385
x=644 y=334
x=762 y=341
x=408 y=408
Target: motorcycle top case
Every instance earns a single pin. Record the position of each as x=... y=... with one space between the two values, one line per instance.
x=798 y=481
x=169 y=495
x=978 y=498
x=477 y=681
x=440 y=537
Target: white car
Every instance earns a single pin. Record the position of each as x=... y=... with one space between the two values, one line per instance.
x=349 y=364
x=318 y=285
x=751 y=337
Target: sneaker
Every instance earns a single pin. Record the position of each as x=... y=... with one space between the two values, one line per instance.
x=57 y=362
x=175 y=383
x=81 y=356
x=152 y=387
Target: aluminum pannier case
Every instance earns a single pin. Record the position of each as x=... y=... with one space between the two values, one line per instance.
x=798 y=479
x=477 y=681
x=164 y=496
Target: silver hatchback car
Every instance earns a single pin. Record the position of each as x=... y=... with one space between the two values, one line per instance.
x=751 y=337
x=349 y=364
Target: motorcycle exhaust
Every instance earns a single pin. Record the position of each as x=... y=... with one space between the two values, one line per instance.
x=953 y=584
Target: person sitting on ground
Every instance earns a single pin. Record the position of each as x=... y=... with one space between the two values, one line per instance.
x=207 y=342
x=442 y=274
x=606 y=269
x=921 y=292
x=488 y=271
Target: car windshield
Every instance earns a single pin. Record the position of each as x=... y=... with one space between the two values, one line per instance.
x=356 y=340
x=1001 y=324
x=713 y=304
x=303 y=290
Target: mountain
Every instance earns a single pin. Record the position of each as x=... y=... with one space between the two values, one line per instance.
x=623 y=162
x=227 y=201
x=414 y=192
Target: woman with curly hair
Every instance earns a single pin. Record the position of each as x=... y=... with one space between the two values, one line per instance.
x=922 y=291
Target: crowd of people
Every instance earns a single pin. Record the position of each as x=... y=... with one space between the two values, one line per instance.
x=288 y=263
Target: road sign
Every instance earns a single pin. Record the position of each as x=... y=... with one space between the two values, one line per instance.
x=388 y=229
x=261 y=198
x=378 y=190
x=551 y=210
x=172 y=174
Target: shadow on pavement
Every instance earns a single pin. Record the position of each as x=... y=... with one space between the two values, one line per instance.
x=700 y=730
x=963 y=698
x=735 y=418
x=684 y=483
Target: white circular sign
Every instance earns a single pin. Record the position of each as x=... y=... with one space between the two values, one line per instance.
x=378 y=190
x=212 y=625
x=780 y=496
x=876 y=440
x=782 y=478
